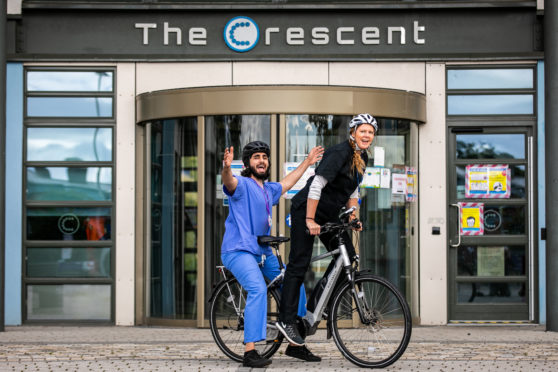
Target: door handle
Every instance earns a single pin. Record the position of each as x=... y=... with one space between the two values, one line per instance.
x=458 y=220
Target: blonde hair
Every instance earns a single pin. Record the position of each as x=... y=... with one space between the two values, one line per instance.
x=357 y=162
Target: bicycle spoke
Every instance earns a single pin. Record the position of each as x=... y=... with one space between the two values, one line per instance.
x=385 y=332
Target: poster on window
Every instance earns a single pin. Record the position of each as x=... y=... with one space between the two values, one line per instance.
x=411 y=184
x=472 y=219
x=491 y=261
x=288 y=167
x=487 y=181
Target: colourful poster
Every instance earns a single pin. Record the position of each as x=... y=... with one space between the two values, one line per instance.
x=411 y=184
x=471 y=219
x=487 y=181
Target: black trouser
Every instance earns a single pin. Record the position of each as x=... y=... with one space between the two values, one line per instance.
x=299 y=260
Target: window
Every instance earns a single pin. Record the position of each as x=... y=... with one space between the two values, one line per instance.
x=69 y=194
x=490 y=91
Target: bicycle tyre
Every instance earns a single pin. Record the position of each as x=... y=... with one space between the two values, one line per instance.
x=384 y=338
x=227 y=327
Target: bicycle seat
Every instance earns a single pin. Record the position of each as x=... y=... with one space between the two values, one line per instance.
x=272 y=240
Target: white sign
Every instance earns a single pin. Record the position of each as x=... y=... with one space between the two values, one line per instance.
x=379 y=156
x=288 y=167
x=398 y=184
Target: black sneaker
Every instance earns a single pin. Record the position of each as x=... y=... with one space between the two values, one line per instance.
x=253 y=359
x=290 y=331
x=302 y=352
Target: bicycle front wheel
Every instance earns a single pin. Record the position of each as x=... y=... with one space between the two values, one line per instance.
x=377 y=336
x=227 y=321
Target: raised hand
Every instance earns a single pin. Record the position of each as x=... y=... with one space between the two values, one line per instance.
x=315 y=155
x=228 y=157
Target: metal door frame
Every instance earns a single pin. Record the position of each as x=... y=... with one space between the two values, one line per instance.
x=476 y=310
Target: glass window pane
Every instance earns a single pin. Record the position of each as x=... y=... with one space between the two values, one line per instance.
x=491 y=261
x=69 y=144
x=69 y=183
x=517 y=181
x=69 y=106
x=307 y=131
x=490 y=79
x=484 y=293
x=69 y=223
x=69 y=81
x=68 y=262
x=490 y=146
x=513 y=104
x=174 y=207
x=511 y=219
x=220 y=132
x=68 y=302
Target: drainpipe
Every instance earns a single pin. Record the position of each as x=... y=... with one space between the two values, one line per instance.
x=2 y=156
x=551 y=138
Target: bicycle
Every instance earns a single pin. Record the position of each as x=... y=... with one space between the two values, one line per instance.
x=366 y=315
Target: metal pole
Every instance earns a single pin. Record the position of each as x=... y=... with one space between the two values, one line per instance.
x=551 y=171
x=2 y=156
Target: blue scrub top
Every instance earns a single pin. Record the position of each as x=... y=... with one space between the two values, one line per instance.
x=249 y=207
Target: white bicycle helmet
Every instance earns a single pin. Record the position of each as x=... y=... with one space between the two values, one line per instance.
x=363 y=119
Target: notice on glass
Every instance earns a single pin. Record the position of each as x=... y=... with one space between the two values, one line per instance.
x=491 y=261
x=385 y=178
x=371 y=178
x=379 y=156
x=411 y=184
x=487 y=181
x=288 y=167
x=398 y=183
x=472 y=219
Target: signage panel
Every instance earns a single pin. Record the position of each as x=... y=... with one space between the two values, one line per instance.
x=275 y=35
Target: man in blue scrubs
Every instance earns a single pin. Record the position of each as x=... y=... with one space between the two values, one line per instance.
x=250 y=203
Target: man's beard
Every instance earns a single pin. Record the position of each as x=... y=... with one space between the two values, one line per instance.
x=260 y=176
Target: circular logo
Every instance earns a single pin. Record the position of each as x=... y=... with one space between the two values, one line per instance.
x=68 y=223
x=241 y=34
x=492 y=220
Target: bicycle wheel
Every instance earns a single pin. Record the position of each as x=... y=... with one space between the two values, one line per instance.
x=227 y=321
x=381 y=336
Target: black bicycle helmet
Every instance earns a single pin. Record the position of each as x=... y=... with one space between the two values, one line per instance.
x=252 y=148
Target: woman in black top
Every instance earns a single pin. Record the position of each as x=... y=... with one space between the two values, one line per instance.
x=335 y=185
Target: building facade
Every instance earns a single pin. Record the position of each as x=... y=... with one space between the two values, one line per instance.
x=118 y=115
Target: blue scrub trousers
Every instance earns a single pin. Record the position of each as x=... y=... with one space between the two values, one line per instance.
x=245 y=268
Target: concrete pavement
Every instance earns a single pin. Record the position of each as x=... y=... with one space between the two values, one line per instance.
x=443 y=348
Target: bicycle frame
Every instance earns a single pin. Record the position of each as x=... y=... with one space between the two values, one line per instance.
x=342 y=262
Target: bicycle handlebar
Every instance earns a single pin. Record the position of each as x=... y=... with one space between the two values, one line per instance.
x=334 y=226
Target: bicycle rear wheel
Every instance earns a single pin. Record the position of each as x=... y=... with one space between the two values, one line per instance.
x=227 y=321
x=381 y=336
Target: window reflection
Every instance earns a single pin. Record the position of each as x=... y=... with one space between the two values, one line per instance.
x=69 y=107
x=490 y=146
x=512 y=104
x=69 y=144
x=88 y=302
x=490 y=261
x=490 y=79
x=68 y=262
x=485 y=293
x=69 y=183
x=69 y=81
x=220 y=132
x=69 y=223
